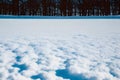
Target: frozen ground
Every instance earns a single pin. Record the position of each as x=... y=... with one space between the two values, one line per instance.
x=76 y=57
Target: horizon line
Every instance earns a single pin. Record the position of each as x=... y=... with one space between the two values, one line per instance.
x=58 y=17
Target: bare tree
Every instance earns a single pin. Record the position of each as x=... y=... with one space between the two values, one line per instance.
x=60 y=7
x=15 y=7
x=69 y=7
x=44 y=7
x=63 y=7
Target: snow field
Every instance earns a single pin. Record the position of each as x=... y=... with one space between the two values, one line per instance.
x=77 y=57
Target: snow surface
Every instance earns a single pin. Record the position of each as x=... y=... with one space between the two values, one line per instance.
x=62 y=27
x=75 y=57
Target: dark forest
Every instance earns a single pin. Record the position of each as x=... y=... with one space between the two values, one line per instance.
x=60 y=7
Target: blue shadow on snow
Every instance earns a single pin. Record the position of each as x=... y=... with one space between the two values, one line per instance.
x=64 y=73
x=22 y=67
x=38 y=76
x=59 y=17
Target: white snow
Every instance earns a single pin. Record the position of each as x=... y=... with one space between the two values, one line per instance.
x=59 y=49
x=55 y=27
x=84 y=57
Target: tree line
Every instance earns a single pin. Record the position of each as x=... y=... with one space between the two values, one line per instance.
x=60 y=7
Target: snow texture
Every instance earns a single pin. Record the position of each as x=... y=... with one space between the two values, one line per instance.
x=76 y=57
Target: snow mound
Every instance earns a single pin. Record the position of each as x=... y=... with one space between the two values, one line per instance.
x=78 y=57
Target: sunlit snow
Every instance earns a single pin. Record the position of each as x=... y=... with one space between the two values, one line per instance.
x=75 y=57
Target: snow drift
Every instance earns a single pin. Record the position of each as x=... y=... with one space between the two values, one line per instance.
x=78 y=57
